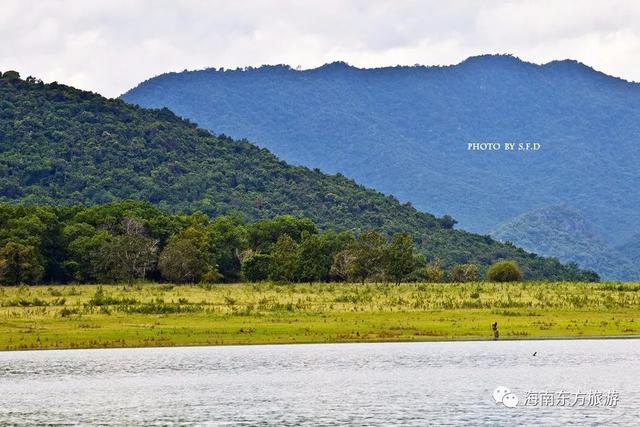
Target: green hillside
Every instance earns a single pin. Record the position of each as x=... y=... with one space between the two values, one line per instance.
x=60 y=146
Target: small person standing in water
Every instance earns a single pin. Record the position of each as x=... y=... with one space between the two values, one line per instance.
x=494 y=328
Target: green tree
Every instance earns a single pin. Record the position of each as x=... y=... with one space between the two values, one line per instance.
x=367 y=255
x=184 y=261
x=504 y=271
x=400 y=259
x=284 y=260
x=314 y=257
x=19 y=264
x=11 y=75
x=84 y=244
x=448 y=222
x=432 y=273
x=255 y=266
x=228 y=239
x=461 y=273
x=262 y=235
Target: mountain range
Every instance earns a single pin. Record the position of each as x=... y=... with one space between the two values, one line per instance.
x=61 y=146
x=408 y=131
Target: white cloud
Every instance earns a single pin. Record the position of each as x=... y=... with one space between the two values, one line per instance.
x=110 y=46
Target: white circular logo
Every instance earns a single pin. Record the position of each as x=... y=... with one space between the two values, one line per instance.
x=499 y=393
x=503 y=395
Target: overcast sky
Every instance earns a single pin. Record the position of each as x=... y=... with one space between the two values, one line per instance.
x=109 y=46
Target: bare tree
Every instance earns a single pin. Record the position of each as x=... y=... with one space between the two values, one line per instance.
x=128 y=256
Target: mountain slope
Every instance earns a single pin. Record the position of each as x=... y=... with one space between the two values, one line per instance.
x=631 y=249
x=60 y=145
x=406 y=130
x=564 y=232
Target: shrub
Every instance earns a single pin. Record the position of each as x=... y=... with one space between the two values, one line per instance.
x=66 y=312
x=100 y=298
x=158 y=306
x=504 y=271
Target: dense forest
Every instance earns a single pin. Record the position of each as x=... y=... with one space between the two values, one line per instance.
x=129 y=241
x=405 y=131
x=62 y=146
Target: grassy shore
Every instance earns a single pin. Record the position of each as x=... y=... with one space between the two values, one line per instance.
x=89 y=316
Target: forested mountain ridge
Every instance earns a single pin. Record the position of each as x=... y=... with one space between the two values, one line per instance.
x=565 y=233
x=60 y=146
x=405 y=131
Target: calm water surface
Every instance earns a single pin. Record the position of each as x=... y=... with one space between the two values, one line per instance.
x=335 y=384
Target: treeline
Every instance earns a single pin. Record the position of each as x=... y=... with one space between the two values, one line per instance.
x=129 y=241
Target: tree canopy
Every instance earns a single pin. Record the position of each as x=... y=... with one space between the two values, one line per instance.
x=130 y=241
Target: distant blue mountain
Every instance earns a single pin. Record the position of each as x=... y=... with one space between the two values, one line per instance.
x=406 y=130
x=631 y=249
x=563 y=232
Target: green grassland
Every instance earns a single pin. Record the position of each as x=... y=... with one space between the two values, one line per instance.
x=90 y=316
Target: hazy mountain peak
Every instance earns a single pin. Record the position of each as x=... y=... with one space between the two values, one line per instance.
x=493 y=59
x=336 y=65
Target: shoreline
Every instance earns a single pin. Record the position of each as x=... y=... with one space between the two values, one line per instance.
x=439 y=341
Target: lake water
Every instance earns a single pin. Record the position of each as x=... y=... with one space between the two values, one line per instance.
x=328 y=384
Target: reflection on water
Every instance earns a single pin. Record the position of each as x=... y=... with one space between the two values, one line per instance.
x=325 y=384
